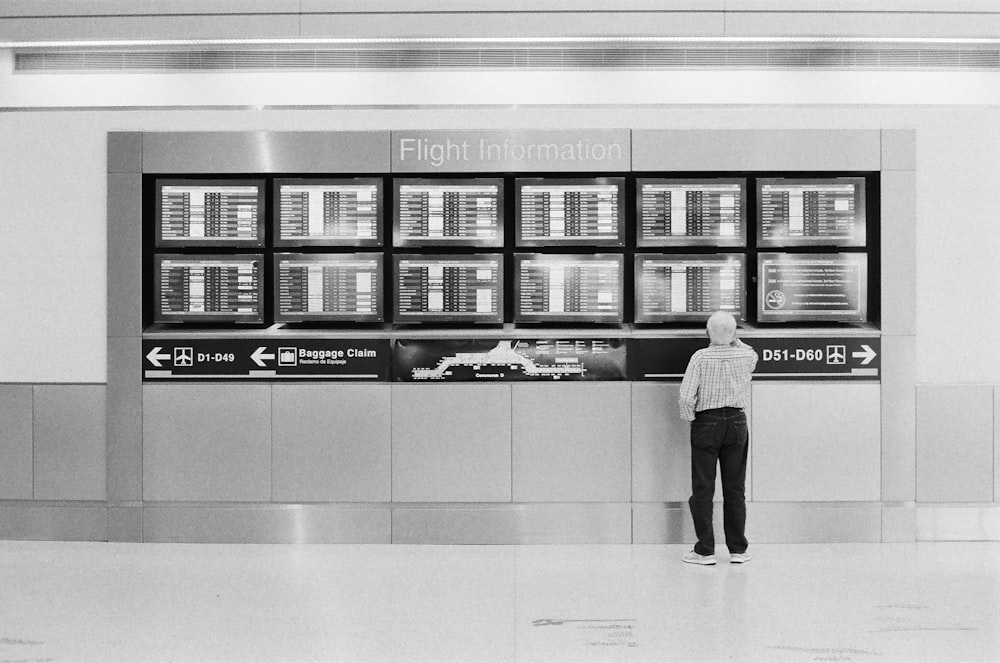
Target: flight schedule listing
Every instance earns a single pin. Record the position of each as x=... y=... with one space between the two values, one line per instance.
x=209 y=288
x=569 y=288
x=676 y=287
x=330 y=213
x=812 y=286
x=334 y=287
x=443 y=288
x=209 y=213
x=798 y=213
x=449 y=213
x=570 y=213
x=672 y=212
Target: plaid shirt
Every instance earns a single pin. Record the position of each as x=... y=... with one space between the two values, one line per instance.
x=717 y=376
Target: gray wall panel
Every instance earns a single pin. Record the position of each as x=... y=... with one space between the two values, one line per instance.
x=668 y=523
x=266 y=152
x=15 y=442
x=899 y=408
x=231 y=26
x=572 y=442
x=125 y=524
x=124 y=419
x=266 y=524
x=899 y=522
x=515 y=524
x=522 y=24
x=145 y=7
x=899 y=252
x=331 y=443
x=899 y=149
x=451 y=443
x=53 y=523
x=204 y=442
x=816 y=442
x=124 y=152
x=860 y=24
x=661 y=447
x=954 y=443
x=70 y=442
x=957 y=522
x=124 y=254
x=756 y=150
x=996 y=444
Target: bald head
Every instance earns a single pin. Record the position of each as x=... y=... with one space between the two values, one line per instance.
x=722 y=328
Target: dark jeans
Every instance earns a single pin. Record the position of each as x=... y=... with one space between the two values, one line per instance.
x=719 y=435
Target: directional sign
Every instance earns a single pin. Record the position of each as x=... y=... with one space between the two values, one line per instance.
x=784 y=358
x=341 y=360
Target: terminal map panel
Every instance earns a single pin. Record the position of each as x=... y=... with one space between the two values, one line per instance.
x=203 y=288
x=811 y=212
x=554 y=212
x=335 y=287
x=568 y=288
x=691 y=212
x=448 y=213
x=209 y=213
x=340 y=212
x=812 y=287
x=677 y=288
x=449 y=288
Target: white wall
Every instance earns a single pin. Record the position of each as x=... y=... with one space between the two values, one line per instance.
x=52 y=213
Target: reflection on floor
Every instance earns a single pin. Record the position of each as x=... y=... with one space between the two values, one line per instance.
x=151 y=602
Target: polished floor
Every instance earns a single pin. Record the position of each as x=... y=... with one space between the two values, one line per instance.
x=186 y=603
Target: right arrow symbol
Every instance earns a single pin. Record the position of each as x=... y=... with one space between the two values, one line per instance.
x=866 y=356
x=155 y=356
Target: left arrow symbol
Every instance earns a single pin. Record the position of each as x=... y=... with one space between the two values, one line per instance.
x=258 y=356
x=155 y=356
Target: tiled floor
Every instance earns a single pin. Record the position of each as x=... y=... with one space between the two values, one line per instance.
x=854 y=602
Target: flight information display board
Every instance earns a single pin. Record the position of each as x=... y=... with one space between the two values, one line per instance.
x=698 y=212
x=829 y=287
x=345 y=287
x=816 y=212
x=328 y=212
x=210 y=213
x=570 y=212
x=681 y=288
x=441 y=288
x=208 y=288
x=448 y=212
x=568 y=288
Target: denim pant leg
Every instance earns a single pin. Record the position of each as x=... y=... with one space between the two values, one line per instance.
x=706 y=438
x=733 y=467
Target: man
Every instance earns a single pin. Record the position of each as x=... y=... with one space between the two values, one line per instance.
x=714 y=395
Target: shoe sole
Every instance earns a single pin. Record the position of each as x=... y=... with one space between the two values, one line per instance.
x=698 y=563
x=738 y=561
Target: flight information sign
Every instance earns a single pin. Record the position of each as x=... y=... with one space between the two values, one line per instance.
x=210 y=213
x=448 y=212
x=208 y=288
x=570 y=212
x=568 y=288
x=828 y=212
x=691 y=212
x=681 y=288
x=328 y=287
x=440 y=288
x=812 y=287
x=328 y=212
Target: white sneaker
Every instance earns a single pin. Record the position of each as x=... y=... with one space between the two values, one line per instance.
x=694 y=558
x=739 y=558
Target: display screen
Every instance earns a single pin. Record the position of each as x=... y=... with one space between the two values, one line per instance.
x=568 y=288
x=691 y=212
x=328 y=212
x=328 y=287
x=829 y=212
x=209 y=213
x=208 y=288
x=439 y=288
x=448 y=212
x=570 y=212
x=680 y=288
x=812 y=287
